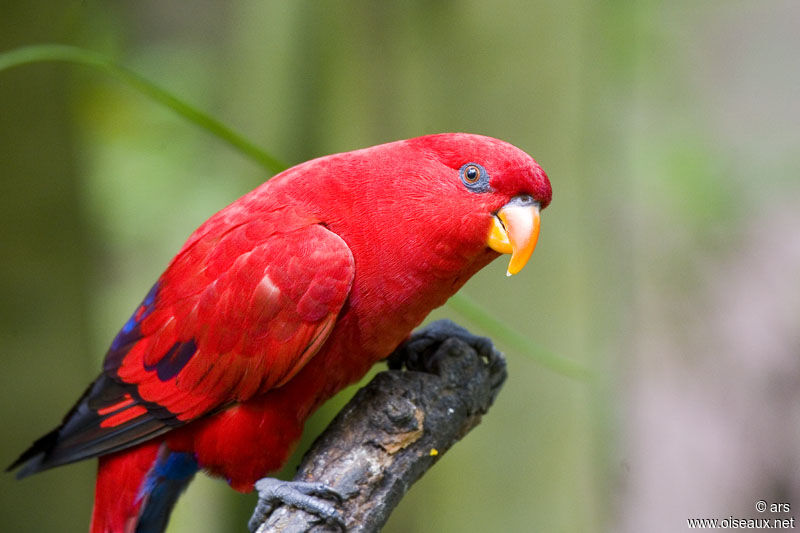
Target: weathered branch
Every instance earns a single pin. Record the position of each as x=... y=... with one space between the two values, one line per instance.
x=391 y=432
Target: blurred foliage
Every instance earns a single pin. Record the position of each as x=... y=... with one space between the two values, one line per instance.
x=27 y=55
x=614 y=99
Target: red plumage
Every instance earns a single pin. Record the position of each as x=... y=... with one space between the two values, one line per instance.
x=277 y=302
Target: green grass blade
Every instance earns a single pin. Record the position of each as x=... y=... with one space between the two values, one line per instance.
x=58 y=52
x=498 y=330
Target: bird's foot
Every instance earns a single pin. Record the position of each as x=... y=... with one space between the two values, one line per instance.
x=421 y=351
x=309 y=497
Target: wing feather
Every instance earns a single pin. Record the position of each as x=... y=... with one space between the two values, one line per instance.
x=235 y=314
x=247 y=330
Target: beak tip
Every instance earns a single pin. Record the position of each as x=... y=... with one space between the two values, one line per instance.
x=515 y=230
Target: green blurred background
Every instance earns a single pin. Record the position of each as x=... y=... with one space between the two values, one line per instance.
x=669 y=261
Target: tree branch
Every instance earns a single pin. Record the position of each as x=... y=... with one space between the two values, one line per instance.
x=391 y=432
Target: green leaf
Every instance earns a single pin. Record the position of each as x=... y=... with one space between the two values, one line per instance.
x=59 y=52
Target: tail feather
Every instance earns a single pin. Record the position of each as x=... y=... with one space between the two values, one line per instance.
x=137 y=488
x=119 y=479
x=166 y=481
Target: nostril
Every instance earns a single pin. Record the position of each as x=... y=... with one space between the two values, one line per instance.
x=523 y=199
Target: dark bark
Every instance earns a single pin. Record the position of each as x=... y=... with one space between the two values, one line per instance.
x=391 y=432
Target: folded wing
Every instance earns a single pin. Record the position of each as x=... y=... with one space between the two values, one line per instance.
x=234 y=315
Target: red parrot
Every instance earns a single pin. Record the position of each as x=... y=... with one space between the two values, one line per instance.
x=276 y=303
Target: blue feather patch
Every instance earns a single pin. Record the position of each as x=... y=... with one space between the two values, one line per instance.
x=168 y=477
x=174 y=360
x=130 y=333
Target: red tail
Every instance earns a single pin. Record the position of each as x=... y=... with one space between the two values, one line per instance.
x=118 y=493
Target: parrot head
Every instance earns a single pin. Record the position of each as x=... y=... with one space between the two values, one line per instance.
x=500 y=189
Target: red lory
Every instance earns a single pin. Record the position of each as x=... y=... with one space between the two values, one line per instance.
x=277 y=302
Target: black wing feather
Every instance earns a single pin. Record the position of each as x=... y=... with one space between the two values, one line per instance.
x=81 y=435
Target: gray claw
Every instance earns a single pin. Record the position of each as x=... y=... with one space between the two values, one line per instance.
x=309 y=497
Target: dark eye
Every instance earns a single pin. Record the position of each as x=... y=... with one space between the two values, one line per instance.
x=474 y=177
x=472 y=174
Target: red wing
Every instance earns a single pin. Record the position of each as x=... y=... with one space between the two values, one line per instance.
x=236 y=313
x=231 y=320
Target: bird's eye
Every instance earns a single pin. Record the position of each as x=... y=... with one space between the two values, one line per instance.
x=472 y=174
x=475 y=177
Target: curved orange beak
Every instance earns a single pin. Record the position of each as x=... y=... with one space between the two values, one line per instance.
x=515 y=230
